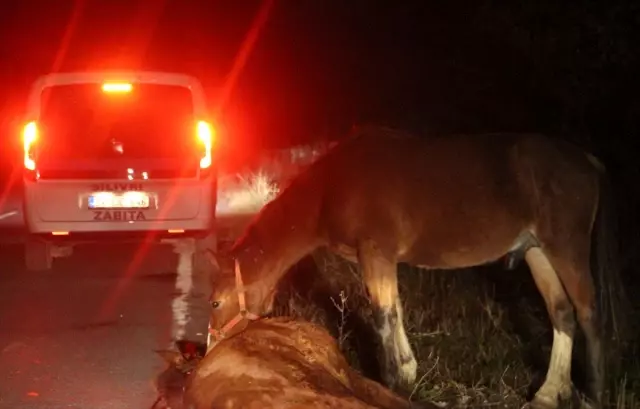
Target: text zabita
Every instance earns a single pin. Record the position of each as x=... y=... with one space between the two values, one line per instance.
x=118 y=215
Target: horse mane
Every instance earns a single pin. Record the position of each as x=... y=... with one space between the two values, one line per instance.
x=277 y=211
x=304 y=184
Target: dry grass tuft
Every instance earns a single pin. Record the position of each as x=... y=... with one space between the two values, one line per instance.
x=248 y=194
x=481 y=340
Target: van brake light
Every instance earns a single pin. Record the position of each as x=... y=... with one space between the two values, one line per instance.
x=205 y=134
x=119 y=87
x=29 y=138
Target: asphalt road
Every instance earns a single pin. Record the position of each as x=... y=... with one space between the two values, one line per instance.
x=83 y=335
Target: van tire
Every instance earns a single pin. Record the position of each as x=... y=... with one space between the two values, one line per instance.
x=37 y=255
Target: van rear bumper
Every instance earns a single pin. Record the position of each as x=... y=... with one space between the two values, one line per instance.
x=119 y=231
x=98 y=227
x=153 y=236
x=53 y=207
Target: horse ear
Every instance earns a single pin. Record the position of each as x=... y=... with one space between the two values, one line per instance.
x=173 y=358
x=226 y=262
x=212 y=257
x=222 y=261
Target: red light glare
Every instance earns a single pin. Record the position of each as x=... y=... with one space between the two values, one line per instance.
x=29 y=138
x=205 y=133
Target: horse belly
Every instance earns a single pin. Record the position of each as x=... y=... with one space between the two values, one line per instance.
x=471 y=216
x=475 y=245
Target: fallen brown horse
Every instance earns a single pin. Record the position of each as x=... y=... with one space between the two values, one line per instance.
x=382 y=197
x=278 y=363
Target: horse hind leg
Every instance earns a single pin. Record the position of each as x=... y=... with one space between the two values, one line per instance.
x=574 y=272
x=557 y=384
x=381 y=279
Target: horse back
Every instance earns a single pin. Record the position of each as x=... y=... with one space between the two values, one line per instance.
x=424 y=199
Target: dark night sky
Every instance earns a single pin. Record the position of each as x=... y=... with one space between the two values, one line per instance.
x=298 y=80
x=320 y=66
x=567 y=69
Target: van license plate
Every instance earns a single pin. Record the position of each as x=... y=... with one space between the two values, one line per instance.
x=126 y=200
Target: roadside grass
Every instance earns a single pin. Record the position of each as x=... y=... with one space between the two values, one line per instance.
x=481 y=336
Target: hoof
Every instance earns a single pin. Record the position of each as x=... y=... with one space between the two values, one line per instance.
x=408 y=372
x=550 y=398
x=401 y=377
x=543 y=402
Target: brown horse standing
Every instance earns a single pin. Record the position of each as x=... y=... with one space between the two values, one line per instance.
x=383 y=197
x=279 y=363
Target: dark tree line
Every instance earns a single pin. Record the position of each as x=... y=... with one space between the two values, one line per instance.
x=569 y=69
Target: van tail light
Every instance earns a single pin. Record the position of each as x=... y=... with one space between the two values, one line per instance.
x=205 y=135
x=29 y=139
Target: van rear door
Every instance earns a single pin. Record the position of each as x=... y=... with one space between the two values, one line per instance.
x=98 y=131
x=103 y=140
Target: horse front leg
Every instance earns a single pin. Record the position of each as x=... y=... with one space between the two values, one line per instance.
x=381 y=279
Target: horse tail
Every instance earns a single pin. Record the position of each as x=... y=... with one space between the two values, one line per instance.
x=612 y=302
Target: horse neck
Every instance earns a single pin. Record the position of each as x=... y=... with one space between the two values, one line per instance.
x=270 y=260
x=285 y=232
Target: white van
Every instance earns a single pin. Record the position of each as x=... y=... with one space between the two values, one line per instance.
x=116 y=156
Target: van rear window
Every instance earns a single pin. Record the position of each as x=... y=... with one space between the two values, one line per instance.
x=147 y=121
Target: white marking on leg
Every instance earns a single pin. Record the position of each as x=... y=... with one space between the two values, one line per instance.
x=403 y=351
x=558 y=380
x=396 y=344
x=385 y=330
x=560 y=363
x=385 y=334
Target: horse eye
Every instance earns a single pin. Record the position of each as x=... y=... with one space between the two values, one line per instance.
x=215 y=304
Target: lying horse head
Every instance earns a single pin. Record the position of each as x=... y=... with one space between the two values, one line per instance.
x=233 y=304
x=171 y=382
